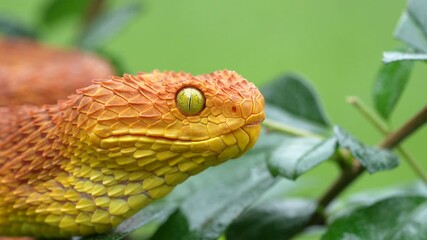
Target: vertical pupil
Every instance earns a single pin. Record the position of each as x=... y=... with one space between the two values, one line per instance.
x=190 y=101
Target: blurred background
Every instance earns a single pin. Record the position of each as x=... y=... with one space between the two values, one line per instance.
x=336 y=44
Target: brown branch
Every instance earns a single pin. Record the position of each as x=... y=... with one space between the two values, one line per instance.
x=348 y=176
x=93 y=10
x=407 y=129
x=342 y=182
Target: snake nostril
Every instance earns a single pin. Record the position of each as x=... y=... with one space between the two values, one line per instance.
x=234 y=109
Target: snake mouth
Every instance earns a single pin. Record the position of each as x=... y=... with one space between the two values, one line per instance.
x=255 y=120
x=251 y=128
x=256 y=123
x=252 y=122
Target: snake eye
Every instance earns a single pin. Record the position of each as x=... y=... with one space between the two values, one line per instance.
x=190 y=101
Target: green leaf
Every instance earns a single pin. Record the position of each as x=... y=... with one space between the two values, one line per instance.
x=390 y=83
x=176 y=227
x=412 y=28
x=389 y=57
x=410 y=33
x=267 y=142
x=12 y=28
x=344 y=206
x=417 y=10
x=416 y=221
x=298 y=155
x=222 y=194
x=373 y=159
x=390 y=219
x=108 y=25
x=272 y=220
x=296 y=96
x=58 y=10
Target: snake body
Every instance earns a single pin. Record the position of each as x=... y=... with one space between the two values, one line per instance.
x=32 y=73
x=84 y=165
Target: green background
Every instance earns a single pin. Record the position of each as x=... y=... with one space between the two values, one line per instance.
x=336 y=44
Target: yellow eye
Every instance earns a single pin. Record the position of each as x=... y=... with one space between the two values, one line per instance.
x=190 y=101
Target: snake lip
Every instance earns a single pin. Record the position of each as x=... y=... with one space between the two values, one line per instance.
x=255 y=123
x=255 y=120
x=251 y=124
x=171 y=139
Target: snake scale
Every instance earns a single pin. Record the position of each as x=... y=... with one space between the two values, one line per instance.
x=85 y=164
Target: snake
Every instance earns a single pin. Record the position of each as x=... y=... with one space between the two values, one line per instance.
x=86 y=163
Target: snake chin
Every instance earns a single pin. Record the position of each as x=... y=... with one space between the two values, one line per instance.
x=253 y=130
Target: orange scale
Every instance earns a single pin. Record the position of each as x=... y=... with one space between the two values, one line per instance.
x=71 y=116
x=84 y=104
x=258 y=105
x=167 y=95
x=129 y=112
x=95 y=110
x=129 y=121
x=157 y=128
x=138 y=126
x=185 y=133
x=151 y=112
x=168 y=118
x=194 y=119
x=174 y=127
x=147 y=120
x=88 y=91
x=218 y=101
x=139 y=99
x=109 y=84
x=149 y=95
x=216 y=111
x=116 y=101
x=117 y=109
x=199 y=132
x=120 y=128
x=126 y=92
x=172 y=88
x=82 y=120
x=246 y=108
x=103 y=95
x=162 y=108
x=107 y=115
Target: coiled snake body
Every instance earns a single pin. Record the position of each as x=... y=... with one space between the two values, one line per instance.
x=84 y=165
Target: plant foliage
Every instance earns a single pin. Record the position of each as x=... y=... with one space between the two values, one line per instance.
x=298 y=136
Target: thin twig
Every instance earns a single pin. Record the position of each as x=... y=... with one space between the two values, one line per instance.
x=407 y=129
x=286 y=129
x=369 y=115
x=416 y=167
x=94 y=8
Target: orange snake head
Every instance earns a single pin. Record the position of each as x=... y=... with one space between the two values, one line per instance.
x=139 y=119
x=146 y=115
